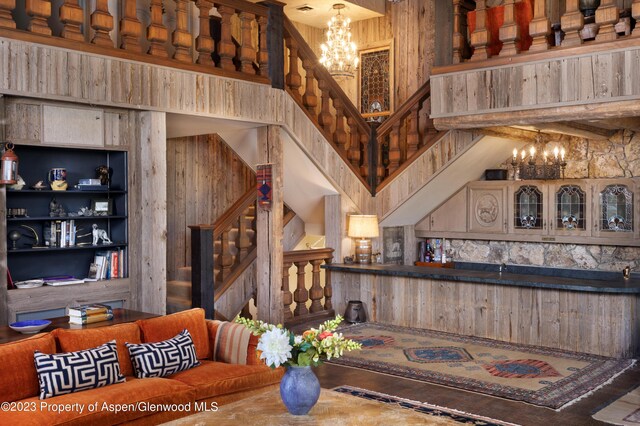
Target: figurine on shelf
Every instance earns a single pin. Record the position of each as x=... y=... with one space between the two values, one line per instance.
x=100 y=234
x=20 y=183
x=39 y=185
x=104 y=174
x=56 y=209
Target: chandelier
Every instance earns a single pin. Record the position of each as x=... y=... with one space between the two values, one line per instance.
x=339 y=55
x=533 y=167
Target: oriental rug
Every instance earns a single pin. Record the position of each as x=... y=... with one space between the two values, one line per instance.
x=623 y=411
x=541 y=376
x=422 y=407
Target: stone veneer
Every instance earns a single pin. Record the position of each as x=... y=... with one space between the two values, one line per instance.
x=617 y=157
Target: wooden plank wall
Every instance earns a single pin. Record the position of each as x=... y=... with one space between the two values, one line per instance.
x=590 y=78
x=551 y=318
x=204 y=178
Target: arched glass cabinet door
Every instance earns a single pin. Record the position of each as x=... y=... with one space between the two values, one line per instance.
x=570 y=208
x=616 y=207
x=528 y=208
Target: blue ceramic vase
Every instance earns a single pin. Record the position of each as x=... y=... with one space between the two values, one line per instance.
x=299 y=389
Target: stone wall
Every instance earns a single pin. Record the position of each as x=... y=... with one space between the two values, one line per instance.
x=617 y=157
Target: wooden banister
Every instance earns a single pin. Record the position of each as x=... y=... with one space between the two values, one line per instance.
x=227 y=218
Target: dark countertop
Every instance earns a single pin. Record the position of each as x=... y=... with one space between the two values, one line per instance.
x=536 y=277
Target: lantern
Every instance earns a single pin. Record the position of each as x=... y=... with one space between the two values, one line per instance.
x=8 y=165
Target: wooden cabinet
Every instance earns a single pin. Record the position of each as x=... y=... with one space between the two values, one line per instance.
x=528 y=204
x=616 y=209
x=486 y=208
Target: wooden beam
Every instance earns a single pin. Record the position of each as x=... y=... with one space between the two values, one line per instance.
x=518 y=134
x=631 y=123
x=577 y=129
x=202 y=277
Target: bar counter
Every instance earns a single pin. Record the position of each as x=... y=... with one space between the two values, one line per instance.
x=583 y=311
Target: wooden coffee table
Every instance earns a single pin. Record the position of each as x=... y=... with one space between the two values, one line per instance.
x=332 y=409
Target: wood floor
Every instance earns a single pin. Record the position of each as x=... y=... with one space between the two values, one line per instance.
x=578 y=414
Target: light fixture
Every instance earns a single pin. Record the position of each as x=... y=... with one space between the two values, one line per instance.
x=8 y=165
x=363 y=228
x=339 y=54
x=536 y=166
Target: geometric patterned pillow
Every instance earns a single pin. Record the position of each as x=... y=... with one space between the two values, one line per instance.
x=63 y=373
x=165 y=358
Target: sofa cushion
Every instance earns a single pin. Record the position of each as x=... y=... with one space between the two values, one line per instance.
x=69 y=372
x=76 y=340
x=162 y=328
x=19 y=376
x=116 y=404
x=220 y=345
x=213 y=378
x=164 y=358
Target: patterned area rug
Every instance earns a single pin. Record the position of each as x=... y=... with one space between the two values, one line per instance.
x=422 y=407
x=541 y=376
x=623 y=411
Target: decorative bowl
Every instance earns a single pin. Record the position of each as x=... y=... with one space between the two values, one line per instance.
x=29 y=283
x=29 y=326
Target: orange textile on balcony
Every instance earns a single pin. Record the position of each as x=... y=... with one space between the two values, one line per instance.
x=495 y=19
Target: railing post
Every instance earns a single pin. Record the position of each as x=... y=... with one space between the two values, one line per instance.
x=243 y=237
x=510 y=30
x=635 y=13
x=275 y=47
x=293 y=78
x=572 y=23
x=287 y=296
x=157 y=33
x=328 y=290
x=460 y=43
x=316 y=292
x=539 y=27
x=394 y=147
x=39 y=11
x=130 y=28
x=6 y=20
x=413 y=134
x=202 y=280
x=324 y=118
x=204 y=42
x=354 y=143
x=102 y=23
x=309 y=99
x=300 y=295
x=339 y=136
x=181 y=39
x=373 y=157
x=480 y=38
x=226 y=48
x=71 y=16
x=607 y=16
x=263 y=53
x=247 y=49
x=364 y=146
x=226 y=260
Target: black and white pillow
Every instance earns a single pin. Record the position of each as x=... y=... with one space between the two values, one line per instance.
x=164 y=358
x=63 y=373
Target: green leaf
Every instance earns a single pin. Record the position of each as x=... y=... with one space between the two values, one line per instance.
x=304 y=359
x=305 y=346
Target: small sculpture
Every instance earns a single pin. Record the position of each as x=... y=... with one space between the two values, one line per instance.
x=56 y=209
x=39 y=185
x=104 y=173
x=99 y=234
x=20 y=183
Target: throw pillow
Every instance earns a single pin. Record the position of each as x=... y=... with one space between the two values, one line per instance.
x=63 y=373
x=164 y=358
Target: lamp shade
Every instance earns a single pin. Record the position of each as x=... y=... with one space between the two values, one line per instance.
x=363 y=226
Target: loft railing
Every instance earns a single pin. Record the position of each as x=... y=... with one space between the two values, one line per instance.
x=481 y=32
x=232 y=42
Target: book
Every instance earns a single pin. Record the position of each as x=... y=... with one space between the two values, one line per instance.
x=89 y=310
x=113 y=265
x=91 y=319
x=62 y=280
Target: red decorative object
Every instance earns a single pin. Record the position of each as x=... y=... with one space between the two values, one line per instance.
x=264 y=184
x=495 y=19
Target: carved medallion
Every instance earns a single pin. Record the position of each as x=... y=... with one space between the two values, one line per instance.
x=487 y=210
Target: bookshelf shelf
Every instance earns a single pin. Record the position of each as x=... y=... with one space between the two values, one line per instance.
x=81 y=247
x=46 y=218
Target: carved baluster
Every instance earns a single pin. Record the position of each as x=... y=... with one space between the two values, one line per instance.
x=226 y=48
x=300 y=295
x=324 y=118
x=607 y=17
x=204 y=42
x=510 y=30
x=328 y=290
x=39 y=11
x=247 y=49
x=226 y=260
x=309 y=99
x=102 y=24
x=572 y=23
x=293 y=77
x=635 y=13
x=413 y=135
x=6 y=20
x=339 y=136
x=458 y=35
x=243 y=237
x=71 y=16
x=130 y=27
x=480 y=37
x=539 y=27
x=316 y=292
x=394 y=147
x=263 y=54
x=364 y=143
x=157 y=33
x=381 y=168
x=181 y=38
x=354 y=143
x=287 y=296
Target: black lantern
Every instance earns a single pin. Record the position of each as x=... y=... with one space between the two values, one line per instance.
x=8 y=165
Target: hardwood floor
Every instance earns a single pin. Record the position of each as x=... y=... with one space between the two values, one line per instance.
x=578 y=414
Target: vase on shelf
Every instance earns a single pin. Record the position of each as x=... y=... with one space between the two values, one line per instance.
x=299 y=389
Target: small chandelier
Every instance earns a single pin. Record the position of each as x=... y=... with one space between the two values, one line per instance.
x=530 y=167
x=339 y=55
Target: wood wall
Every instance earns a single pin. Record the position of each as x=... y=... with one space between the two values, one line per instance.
x=552 y=318
x=204 y=178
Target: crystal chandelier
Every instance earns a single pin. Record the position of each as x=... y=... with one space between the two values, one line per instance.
x=339 y=55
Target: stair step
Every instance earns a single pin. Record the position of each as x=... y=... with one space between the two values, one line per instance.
x=177 y=304
x=181 y=289
x=183 y=274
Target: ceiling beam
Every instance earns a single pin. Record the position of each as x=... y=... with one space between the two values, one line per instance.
x=580 y=130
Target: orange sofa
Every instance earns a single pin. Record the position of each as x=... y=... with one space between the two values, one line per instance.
x=136 y=401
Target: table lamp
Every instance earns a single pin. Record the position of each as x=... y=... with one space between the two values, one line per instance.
x=363 y=228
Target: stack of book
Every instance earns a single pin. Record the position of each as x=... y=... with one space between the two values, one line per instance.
x=88 y=314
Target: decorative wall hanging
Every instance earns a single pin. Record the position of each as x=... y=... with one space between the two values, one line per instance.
x=376 y=78
x=264 y=184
